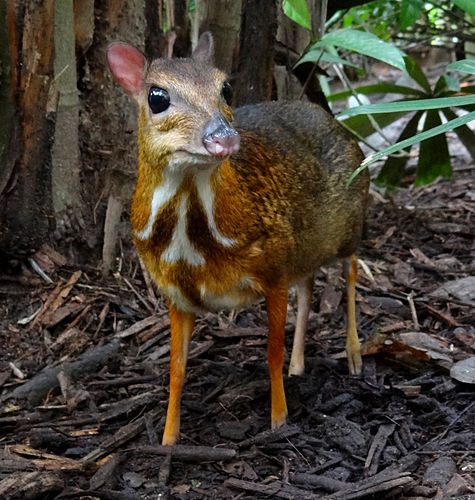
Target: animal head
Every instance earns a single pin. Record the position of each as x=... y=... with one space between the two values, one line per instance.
x=184 y=105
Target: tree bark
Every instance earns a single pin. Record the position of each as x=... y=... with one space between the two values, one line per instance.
x=255 y=72
x=7 y=105
x=25 y=199
x=83 y=24
x=292 y=40
x=293 y=82
x=155 y=40
x=66 y=156
x=109 y=119
x=222 y=19
x=179 y=23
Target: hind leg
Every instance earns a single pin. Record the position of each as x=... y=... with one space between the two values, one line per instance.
x=353 y=348
x=304 y=299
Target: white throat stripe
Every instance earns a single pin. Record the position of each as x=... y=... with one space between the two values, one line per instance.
x=180 y=247
x=162 y=194
x=206 y=196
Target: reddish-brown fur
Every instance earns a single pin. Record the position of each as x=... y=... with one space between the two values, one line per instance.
x=228 y=231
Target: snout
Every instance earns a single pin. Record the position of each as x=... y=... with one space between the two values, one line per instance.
x=219 y=137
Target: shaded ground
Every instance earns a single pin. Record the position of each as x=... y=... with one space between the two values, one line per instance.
x=403 y=430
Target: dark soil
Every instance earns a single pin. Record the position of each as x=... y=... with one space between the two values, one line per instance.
x=405 y=429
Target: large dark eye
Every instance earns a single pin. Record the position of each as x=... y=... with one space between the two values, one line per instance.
x=227 y=92
x=158 y=100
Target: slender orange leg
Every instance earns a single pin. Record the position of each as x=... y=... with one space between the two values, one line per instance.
x=353 y=348
x=276 y=302
x=181 y=328
x=304 y=299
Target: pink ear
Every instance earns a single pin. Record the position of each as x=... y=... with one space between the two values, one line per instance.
x=127 y=65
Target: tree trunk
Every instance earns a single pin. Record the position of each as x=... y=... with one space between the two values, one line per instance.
x=155 y=40
x=292 y=40
x=66 y=157
x=255 y=72
x=179 y=24
x=295 y=82
x=25 y=198
x=222 y=19
x=83 y=24
x=176 y=41
x=109 y=122
x=7 y=105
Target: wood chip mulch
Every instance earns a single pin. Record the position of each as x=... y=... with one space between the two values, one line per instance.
x=84 y=377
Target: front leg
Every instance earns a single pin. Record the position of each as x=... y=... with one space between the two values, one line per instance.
x=353 y=348
x=181 y=328
x=276 y=302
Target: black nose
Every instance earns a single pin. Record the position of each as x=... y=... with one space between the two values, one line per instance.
x=219 y=138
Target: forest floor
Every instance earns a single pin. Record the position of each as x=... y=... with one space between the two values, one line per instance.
x=84 y=376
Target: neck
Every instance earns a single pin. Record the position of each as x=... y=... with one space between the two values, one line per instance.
x=174 y=191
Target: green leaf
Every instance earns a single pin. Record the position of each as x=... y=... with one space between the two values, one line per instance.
x=410 y=13
x=394 y=169
x=358 y=16
x=434 y=158
x=446 y=86
x=453 y=83
x=318 y=54
x=464 y=133
x=297 y=10
x=441 y=85
x=412 y=105
x=323 y=80
x=377 y=88
x=452 y=124
x=466 y=5
x=416 y=73
x=332 y=58
x=465 y=65
x=363 y=127
x=347 y=21
x=364 y=43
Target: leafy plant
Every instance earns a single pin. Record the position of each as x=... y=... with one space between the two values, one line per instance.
x=297 y=10
x=402 y=21
x=432 y=104
x=467 y=5
x=363 y=43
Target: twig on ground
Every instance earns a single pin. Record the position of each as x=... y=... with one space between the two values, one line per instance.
x=189 y=453
x=36 y=389
x=415 y=321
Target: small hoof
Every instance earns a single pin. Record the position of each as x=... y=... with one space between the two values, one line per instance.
x=279 y=421
x=169 y=440
x=298 y=371
x=355 y=363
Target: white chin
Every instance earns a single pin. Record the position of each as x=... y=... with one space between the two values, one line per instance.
x=182 y=160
